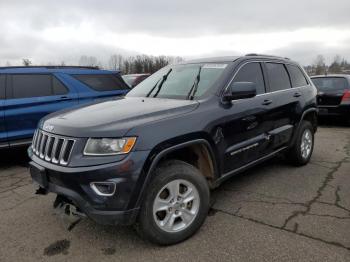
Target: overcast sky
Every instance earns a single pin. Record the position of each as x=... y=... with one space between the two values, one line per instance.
x=54 y=31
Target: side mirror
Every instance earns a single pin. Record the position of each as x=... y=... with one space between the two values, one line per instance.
x=240 y=90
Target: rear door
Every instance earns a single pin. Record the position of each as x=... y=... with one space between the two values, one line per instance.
x=285 y=103
x=31 y=97
x=3 y=134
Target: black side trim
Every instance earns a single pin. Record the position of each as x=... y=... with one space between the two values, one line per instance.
x=242 y=168
x=4 y=145
x=246 y=143
x=280 y=129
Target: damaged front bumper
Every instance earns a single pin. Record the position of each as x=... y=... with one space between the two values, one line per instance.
x=76 y=198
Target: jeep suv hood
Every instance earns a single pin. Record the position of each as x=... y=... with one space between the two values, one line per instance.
x=114 y=118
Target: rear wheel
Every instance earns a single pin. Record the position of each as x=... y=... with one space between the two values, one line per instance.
x=176 y=204
x=301 y=152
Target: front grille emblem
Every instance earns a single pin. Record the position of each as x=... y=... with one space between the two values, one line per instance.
x=48 y=127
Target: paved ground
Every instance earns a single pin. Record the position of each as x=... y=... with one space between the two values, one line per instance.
x=271 y=213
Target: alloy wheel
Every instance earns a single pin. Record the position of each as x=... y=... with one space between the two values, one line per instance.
x=176 y=205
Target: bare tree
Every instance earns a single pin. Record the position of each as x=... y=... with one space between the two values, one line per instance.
x=335 y=66
x=88 y=61
x=115 y=62
x=26 y=62
x=320 y=65
x=132 y=64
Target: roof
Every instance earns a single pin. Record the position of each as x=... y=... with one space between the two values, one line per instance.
x=331 y=75
x=55 y=69
x=212 y=59
x=234 y=58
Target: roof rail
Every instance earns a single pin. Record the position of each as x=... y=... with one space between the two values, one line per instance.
x=254 y=54
x=51 y=67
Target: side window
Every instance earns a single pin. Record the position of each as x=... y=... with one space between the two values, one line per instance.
x=296 y=76
x=105 y=82
x=58 y=87
x=2 y=86
x=278 y=77
x=251 y=73
x=31 y=85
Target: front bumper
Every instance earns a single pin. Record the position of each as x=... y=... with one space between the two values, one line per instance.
x=74 y=185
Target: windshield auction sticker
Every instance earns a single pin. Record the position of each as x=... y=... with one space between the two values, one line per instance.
x=215 y=66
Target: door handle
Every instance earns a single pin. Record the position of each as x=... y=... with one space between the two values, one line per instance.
x=297 y=94
x=65 y=98
x=266 y=102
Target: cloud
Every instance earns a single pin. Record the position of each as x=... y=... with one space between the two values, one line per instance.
x=64 y=30
x=305 y=53
x=181 y=17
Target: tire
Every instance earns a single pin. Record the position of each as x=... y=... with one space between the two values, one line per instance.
x=296 y=155
x=155 y=226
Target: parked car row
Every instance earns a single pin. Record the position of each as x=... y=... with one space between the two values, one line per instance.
x=333 y=96
x=29 y=93
x=147 y=152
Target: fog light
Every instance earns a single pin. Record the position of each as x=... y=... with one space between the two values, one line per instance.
x=103 y=188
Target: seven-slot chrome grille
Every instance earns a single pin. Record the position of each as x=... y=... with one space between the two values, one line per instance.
x=52 y=148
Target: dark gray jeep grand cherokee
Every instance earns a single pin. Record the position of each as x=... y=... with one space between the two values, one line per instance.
x=151 y=158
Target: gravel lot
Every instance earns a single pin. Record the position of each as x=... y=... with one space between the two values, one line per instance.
x=274 y=212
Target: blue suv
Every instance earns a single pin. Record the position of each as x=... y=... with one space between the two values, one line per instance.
x=29 y=93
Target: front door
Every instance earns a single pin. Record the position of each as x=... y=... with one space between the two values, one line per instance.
x=246 y=123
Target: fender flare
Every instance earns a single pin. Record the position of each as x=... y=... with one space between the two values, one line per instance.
x=313 y=109
x=307 y=111
x=166 y=151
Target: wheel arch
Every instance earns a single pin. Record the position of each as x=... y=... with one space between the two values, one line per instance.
x=200 y=145
x=310 y=115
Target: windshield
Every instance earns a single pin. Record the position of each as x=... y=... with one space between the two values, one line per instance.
x=330 y=83
x=179 y=81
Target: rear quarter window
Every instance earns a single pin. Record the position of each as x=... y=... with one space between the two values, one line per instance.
x=296 y=76
x=58 y=87
x=102 y=82
x=278 y=77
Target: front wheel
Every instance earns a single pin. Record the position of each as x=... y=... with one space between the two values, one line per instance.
x=301 y=152
x=176 y=204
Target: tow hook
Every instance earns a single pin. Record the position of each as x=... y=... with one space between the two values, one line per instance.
x=64 y=206
x=41 y=191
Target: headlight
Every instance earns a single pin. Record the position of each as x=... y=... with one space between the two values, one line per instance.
x=109 y=146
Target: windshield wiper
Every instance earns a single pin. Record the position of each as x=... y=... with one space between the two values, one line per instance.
x=194 y=87
x=150 y=92
x=160 y=84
